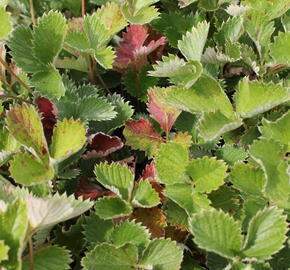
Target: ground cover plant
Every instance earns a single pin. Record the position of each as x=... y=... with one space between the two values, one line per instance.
x=144 y=134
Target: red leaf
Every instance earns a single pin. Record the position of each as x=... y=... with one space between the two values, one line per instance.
x=149 y=172
x=101 y=145
x=140 y=134
x=135 y=48
x=87 y=189
x=164 y=114
x=49 y=112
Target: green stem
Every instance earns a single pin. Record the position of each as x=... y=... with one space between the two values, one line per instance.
x=31 y=259
x=32 y=12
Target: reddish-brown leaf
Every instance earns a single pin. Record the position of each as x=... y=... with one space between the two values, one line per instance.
x=101 y=145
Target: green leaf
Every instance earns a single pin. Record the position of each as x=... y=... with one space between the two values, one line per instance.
x=50 y=258
x=217 y=232
x=27 y=170
x=6 y=26
x=279 y=49
x=145 y=195
x=95 y=31
x=21 y=45
x=230 y=30
x=207 y=173
x=69 y=136
x=109 y=257
x=162 y=254
x=192 y=43
x=175 y=214
x=109 y=208
x=171 y=162
x=49 y=83
x=25 y=125
x=78 y=41
x=187 y=198
x=52 y=25
x=254 y=97
x=206 y=95
x=97 y=230
x=142 y=16
x=46 y=212
x=269 y=154
x=105 y=57
x=231 y=154
x=14 y=224
x=271 y=9
x=248 y=179
x=277 y=130
x=266 y=234
x=124 y=112
x=129 y=232
x=3 y=251
x=117 y=178
x=214 y=124
x=178 y=71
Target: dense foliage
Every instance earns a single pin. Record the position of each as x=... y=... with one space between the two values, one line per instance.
x=144 y=134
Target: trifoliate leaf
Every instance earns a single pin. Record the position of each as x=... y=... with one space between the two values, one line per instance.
x=178 y=71
x=27 y=170
x=279 y=49
x=164 y=114
x=231 y=154
x=277 y=130
x=52 y=25
x=207 y=173
x=97 y=230
x=141 y=135
x=217 y=232
x=108 y=257
x=124 y=112
x=49 y=258
x=253 y=98
x=145 y=195
x=130 y=232
x=187 y=198
x=117 y=178
x=20 y=44
x=68 y=138
x=24 y=124
x=266 y=234
x=6 y=26
x=206 y=95
x=109 y=208
x=171 y=163
x=49 y=82
x=3 y=251
x=192 y=43
x=269 y=154
x=248 y=179
x=162 y=254
x=101 y=145
x=105 y=57
x=14 y=224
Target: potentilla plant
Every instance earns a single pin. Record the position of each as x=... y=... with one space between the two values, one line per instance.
x=148 y=135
